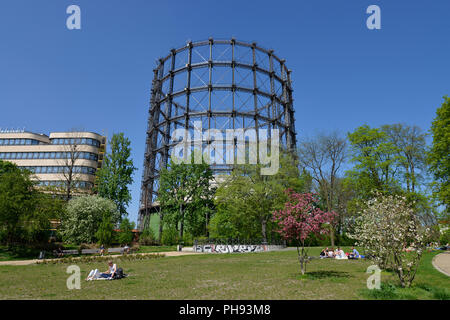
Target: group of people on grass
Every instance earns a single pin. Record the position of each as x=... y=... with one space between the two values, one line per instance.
x=340 y=254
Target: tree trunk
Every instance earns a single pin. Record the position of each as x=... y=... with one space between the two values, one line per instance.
x=181 y=223
x=263 y=230
x=160 y=226
x=69 y=187
x=302 y=257
x=302 y=266
x=408 y=179
x=332 y=235
x=206 y=224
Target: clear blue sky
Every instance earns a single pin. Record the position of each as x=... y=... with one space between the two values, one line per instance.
x=98 y=78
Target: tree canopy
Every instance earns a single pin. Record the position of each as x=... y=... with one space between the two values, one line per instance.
x=116 y=174
x=439 y=154
x=83 y=217
x=25 y=212
x=185 y=194
x=246 y=199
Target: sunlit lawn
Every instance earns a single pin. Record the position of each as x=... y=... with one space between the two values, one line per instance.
x=269 y=275
x=24 y=253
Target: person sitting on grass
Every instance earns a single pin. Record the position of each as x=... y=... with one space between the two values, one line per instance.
x=126 y=249
x=108 y=274
x=111 y=270
x=355 y=253
x=323 y=253
x=340 y=254
x=102 y=250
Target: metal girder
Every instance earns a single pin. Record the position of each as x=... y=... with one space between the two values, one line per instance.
x=225 y=84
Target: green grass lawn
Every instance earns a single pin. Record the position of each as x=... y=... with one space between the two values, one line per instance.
x=19 y=253
x=267 y=275
x=25 y=253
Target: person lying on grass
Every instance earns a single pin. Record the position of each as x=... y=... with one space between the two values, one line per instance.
x=108 y=274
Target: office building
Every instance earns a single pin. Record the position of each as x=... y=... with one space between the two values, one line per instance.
x=52 y=158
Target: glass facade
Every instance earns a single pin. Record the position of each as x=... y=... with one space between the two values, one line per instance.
x=60 y=169
x=47 y=155
x=19 y=142
x=44 y=155
x=61 y=184
x=77 y=141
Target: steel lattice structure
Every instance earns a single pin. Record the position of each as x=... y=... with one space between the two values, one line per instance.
x=225 y=84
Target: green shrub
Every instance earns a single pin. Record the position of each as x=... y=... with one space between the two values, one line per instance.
x=441 y=294
x=386 y=292
x=188 y=240
x=344 y=241
x=89 y=259
x=104 y=233
x=147 y=238
x=169 y=237
x=445 y=237
x=83 y=216
x=3 y=236
x=437 y=293
x=126 y=233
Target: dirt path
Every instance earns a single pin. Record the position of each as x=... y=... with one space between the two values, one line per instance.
x=442 y=263
x=33 y=261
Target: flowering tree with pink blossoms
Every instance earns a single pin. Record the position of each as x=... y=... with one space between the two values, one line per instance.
x=301 y=217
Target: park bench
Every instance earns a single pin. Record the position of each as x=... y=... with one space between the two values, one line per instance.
x=65 y=252
x=70 y=251
x=117 y=250
x=85 y=251
x=90 y=251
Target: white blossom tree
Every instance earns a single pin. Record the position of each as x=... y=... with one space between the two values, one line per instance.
x=83 y=217
x=391 y=233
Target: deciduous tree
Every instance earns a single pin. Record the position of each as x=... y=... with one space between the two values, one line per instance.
x=301 y=217
x=246 y=199
x=83 y=217
x=185 y=195
x=116 y=174
x=324 y=156
x=392 y=235
x=439 y=154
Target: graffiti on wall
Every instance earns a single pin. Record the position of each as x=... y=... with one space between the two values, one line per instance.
x=223 y=248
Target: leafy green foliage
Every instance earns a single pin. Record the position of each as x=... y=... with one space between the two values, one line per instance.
x=387 y=291
x=410 y=146
x=170 y=236
x=445 y=237
x=246 y=199
x=83 y=217
x=16 y=200
x=375 y=159
x=186 y=196
x=115 y=175
x=24 y=212
x=147 y=237
x=105 y=232
x=126 y=233
x=439 y=154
